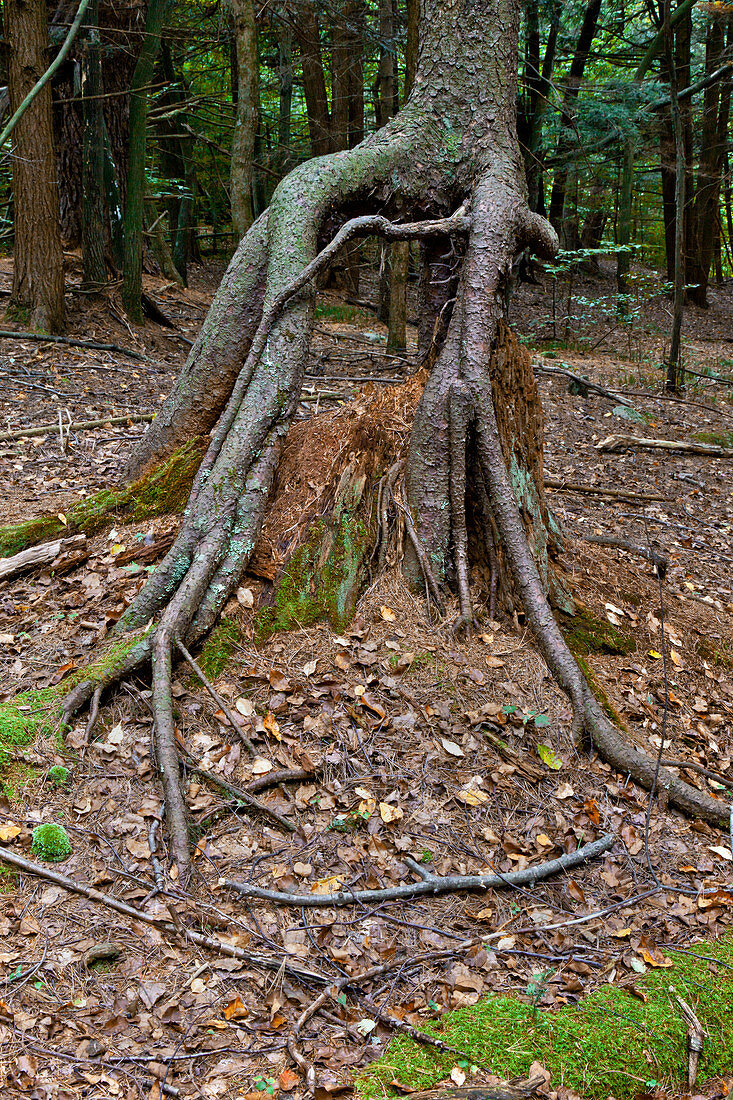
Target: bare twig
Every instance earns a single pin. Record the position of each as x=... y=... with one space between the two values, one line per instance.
x=82 y=425
x=217 y=698
x=600 y=490
x=243 y=796
x=430 y=884
x=39 y=338
x=268 y=962
x=615 y=444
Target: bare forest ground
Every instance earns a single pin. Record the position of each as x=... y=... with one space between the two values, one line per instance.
x=396 y=723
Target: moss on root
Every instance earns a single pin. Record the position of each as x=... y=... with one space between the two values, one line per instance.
x=322 y=579
x=163 y=491
x=586 y=634
x=721 y=654
x=219 y=647
x=611 y=1043
x=38 y=713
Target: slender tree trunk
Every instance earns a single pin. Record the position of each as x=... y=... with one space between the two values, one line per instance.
x=247 y=115
x=135 y=205
x=713 y=137
x=567 y=115
x=38 y=271
x=308 y=33
x=92 y=221
x=285 y=90
x=673 y=363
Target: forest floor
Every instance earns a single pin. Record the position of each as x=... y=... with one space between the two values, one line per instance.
x=453 y=751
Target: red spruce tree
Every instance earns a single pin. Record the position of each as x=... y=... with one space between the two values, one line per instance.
x=447 y=166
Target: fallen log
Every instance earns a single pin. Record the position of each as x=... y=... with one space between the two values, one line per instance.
x=45 y=338
x=600 y=490
x=616 y=444
x=430 y=884
x=80 y=426
x=42 y=554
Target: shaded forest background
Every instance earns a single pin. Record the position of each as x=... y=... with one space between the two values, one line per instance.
x=170 y=125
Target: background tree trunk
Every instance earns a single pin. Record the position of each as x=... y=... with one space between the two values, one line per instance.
x=135 y=204
x=246 y=119
x=92 y=222
x=38 y=273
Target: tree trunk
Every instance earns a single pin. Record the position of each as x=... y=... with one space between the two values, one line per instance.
x=247 y=116
x=38 y=269
x=92 y=214
x=135 y=205
x=713 y=139
x=567 y=114
x=308 y=33
x=477 y=429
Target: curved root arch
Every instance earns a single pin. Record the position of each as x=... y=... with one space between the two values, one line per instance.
x=427 y=157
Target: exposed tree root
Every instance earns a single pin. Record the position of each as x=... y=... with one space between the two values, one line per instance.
x=475 y=459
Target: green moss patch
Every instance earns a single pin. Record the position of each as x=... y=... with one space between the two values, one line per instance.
x=721 y=654
x=219 y=647
x=51 y=842
x=611 y=1043
x=322 y=579
x=164 y=491
x=717 y=439
x=586 y=634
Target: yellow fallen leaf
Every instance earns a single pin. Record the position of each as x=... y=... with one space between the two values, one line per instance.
x=388 y=614
x=544 y=841
x=473 y=797
x=621 y=933
x=9 y=830
x=389 y=813
x=62 y=517
x=271 y=725
x=366 y=807
x=659 y=960
x=116 y=549
x=328 y=885
x=675 y=657
x=653 y=653
x=483 y=914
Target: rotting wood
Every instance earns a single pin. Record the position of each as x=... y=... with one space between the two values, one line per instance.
x=42 y=554
x=268 y=962
x=616 y=444
x=430 y=884
x=600 y=490
x=45 y=338
x=81 y=426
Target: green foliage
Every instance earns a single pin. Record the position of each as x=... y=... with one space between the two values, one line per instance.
x=610 y=1043
x=586 y=634
x=717 y=439
x=51 y=842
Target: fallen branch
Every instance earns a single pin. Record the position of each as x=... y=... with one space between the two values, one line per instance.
x=268 y=962
x=584 y=383
x=42 y=554
x=217 y=699
x=44 y=338
x=242 y=796
x=81 y=426
x=430 y=884
x=600 y=490
x=615 y=444
x=659 y=561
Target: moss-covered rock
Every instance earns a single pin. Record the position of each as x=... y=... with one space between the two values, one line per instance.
x=51 y=842
x=164 y=491
x=58 y=775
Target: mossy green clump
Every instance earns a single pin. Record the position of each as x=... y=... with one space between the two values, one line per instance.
x=717 y=439
x=51 y=842
x=612 y=1043
x=721 y=654
x=219 y=647
x=322 y=579
x=164 y=491
x=586 y=634
x=58 y=775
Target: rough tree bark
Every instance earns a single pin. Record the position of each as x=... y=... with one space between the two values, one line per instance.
x=247 y=115
x=453 y=148
x=38 y=272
